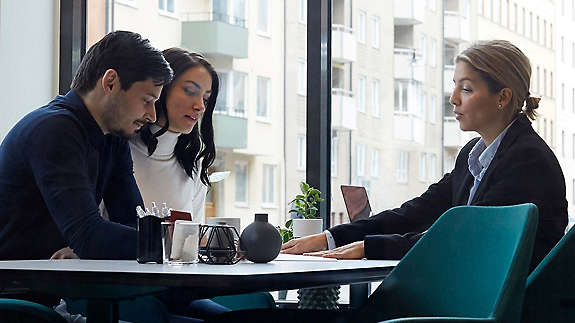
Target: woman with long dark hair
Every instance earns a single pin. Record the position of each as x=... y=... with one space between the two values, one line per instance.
x=172 y=156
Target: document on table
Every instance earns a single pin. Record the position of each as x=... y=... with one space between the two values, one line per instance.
x=288 y=257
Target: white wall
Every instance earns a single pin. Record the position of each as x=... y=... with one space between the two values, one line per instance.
x=28 y=58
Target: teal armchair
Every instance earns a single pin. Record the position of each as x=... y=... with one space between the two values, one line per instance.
x=471 y=266
x=20 y=311
x=550 y=291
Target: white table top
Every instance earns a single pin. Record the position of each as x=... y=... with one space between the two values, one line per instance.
x=242 y=268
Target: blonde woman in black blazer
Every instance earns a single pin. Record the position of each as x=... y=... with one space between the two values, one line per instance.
x=491 y=97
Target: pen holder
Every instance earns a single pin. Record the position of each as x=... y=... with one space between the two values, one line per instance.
x=149 y=240
x=219 y=244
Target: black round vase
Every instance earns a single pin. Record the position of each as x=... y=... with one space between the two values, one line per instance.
x=260 y=241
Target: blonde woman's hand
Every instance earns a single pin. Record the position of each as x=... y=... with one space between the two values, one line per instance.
x=354 y=250
x=311 y=243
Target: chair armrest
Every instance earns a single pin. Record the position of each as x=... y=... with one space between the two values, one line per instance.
x=439 y=320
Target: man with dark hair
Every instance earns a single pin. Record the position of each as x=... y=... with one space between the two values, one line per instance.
x=60 y=161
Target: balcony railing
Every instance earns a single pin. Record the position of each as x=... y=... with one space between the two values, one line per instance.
x=343 y=110
x=408 y=12
x=408 y=64
x=456 y=27
x=214 y=16
x=343 y=46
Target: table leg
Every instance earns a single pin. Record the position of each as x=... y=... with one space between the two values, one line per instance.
x=100 y=311
x=358 y=294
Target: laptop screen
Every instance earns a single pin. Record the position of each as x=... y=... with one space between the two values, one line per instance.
x=356 y=202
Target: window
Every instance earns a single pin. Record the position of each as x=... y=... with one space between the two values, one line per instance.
x=303 y=11
x=544 y=128
x=573 y=146
x=334 y=155
x=263 y=100
x=563 y=96
x=432 y=5
x=523 y=16
x=505 y=15
x=166 y=5
x=301 y=153
x=573 y=54
x=545 y=81
x=515 y=15
x=402 y=167
x=551 y=82
x=433 y=109
x=573 y=99
x=361 y=27
x=375 y=163
x=573 y=192
x=375 y=34
x=538 y=28
x=562 y=49
x=400 y=96
x=432 y=167
x=359 y=159
x=423 y=47
x=433 y=52
x=361 y=93
x=481 y=4
x=241 y=174
x=544 y=32
x=239 y=94
x=301 y=77
x=264 y=16
x=424 y=109
x=269 y=183
x=375 y=98
x=562 y=143
x=497 y=10
x=551 y=36
x=422 y=167
x=531 y=25
x=552 y=143
x=538 y=85
x=232 y=94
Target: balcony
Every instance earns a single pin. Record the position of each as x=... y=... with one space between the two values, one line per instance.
x=230 y=131
x=215 y=34
x=408 y=65
x=343 y=46
x=408 y=12
x=454 y=137
x=343 y=112
x=456 y=27
x=448 y=85
x=409 y=127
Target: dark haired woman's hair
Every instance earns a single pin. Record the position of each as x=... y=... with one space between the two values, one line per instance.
x=132 y=57
x=198 y=144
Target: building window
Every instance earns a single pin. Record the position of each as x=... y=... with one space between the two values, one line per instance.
x=515 y=15
x=432 y=5
x=422 y=167
x=361 y=93
x=552 y=143
x=432 y=167
x=544 y=128
x=263 y=16
x=375 y=98
x=551 y=86
x=361 y=27
x=402 y=167
x=562 y=143
x=481 y=4
x=301 y=153
x=538 y=79
x=563 y=49
x=424 y=109
x=423 y=47
x=573 y=99
x=303 y=11
x=573 y=192
x=375 y=163
x=241 y=174
x=573 y=54
x=166 y=5
x=301 y=77
x=506 y=15
x=545 y=81
x=359 y=159
x=400 y=96
x=573 y=146
x=263 y=101
x=523 y=16
x=269 y=184
x=433 y=109
x=334 y=155
x=531 y=25
x=497 y=10
x=375 y=33
x=232 y=94
x=433 y=52
x=563 y=96
x=538 y=26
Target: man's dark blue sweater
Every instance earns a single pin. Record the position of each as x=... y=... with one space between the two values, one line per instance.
x=56 y=166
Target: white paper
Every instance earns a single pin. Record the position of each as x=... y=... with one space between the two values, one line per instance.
x=288 y=257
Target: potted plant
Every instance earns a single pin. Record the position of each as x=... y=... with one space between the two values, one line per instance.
x=303 y=221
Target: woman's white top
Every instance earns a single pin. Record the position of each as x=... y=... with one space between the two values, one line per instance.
x=161 y=179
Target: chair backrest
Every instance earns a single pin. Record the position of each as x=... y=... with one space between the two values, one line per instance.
x=15 y=310
x=472 y=262
x=246 y=301
x=550 y=291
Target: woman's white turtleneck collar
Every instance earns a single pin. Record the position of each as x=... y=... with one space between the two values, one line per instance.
x=166 y=143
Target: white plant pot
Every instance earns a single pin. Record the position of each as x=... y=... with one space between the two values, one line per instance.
x=306 y=227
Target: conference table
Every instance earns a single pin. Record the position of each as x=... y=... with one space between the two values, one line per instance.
x=105 y=282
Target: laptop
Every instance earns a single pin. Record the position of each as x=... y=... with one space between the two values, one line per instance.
x=356 y=202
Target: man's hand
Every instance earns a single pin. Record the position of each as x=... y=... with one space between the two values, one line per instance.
x=64 y=253
x=354 y=250
x=311 y=243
